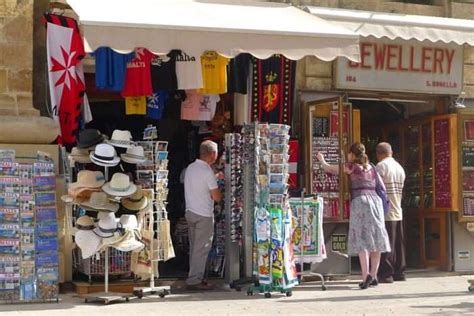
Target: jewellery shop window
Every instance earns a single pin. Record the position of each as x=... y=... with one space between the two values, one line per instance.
x=466 y=130
x=323 y=135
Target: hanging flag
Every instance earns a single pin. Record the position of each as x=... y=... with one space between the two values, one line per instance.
x=65 y=51
x=272 y=89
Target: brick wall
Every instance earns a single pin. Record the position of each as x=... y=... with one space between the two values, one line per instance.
x=16 y=58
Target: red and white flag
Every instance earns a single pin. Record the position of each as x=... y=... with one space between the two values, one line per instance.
x=66 y=78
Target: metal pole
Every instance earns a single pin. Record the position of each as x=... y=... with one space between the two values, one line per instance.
x=107 y=248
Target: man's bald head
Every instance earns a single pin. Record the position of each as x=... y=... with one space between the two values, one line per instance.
x=383 y=151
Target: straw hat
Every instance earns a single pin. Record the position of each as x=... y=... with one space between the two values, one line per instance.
x=88 y=242
x=84 y=223
x=80 y=155
x=122 y=139
x=120 y=185
x=104 y=155
x=128 y=242
x=128 y=222
x=86 y=180
x=99 y=201
x=136 y=202
x=134 y=155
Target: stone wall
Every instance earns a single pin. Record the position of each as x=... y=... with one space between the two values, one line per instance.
x=16 y=58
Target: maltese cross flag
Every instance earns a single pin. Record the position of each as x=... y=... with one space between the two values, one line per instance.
x=66 y=81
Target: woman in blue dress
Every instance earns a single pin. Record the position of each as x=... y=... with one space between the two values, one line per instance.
x=368 y=237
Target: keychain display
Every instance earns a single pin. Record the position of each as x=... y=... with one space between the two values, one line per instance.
x=234 y=170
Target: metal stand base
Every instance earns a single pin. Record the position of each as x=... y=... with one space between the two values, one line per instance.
x=319 y=275
x=161 y=291
x=106 y=297
x=471 y=285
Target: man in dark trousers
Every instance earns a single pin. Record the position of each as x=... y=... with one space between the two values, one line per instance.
x=392 y=264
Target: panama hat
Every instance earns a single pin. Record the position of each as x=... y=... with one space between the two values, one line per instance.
x=83 y=223
x=88 y=242
x=80 y=155
x=107 y=225
x=88 y=138
x=122 y=139
x=99 y=201
x=134 y=155
x=135 y=202
x=86 y=180
x=120 y=185
x=104 y=155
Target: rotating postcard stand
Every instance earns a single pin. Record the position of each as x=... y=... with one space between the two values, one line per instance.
x=106 y=297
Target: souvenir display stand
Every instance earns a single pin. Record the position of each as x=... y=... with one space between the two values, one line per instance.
x=29 y=260
x=274 y=263
x=161 y=246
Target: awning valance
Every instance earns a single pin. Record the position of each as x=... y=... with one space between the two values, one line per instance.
x=228 y=27
x=404 y=26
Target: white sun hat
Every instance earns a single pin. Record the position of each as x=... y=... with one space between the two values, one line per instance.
x=86 y=180
x=134 y=155
x=122 y=139
x=104 y=155
x=107 y=225
x=88 y=242
x=120 y=185
x=128 y=222
x=128 y=242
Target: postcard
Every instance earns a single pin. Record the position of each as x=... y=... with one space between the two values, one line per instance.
x=161 y=146
x=44 y=183
x=45 y=214
x=45 y=199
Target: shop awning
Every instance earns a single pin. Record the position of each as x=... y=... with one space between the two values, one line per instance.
x=402 y=26
x=228 y=27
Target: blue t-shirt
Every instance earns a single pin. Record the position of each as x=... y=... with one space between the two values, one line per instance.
x=110 y=68
x=155 y=104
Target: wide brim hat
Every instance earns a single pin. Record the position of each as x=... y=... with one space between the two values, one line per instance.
x=99 y=201
x=128 y=242
x=136 y=202
x=88 y=242
x=104 y=163
x=120 y=185
x=91 y=180
x=80 y=155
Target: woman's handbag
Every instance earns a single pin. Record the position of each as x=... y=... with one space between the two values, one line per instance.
x=381 y=191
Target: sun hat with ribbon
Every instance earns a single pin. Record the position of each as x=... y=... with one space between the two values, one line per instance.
x=135 y=202
x=134 y=155
x=104 y=155
x=88 y=138
x=122 y=139
x=99 y=201
x=119 y=185
x=83 y=223
x=128 y=222
x=88 y=242
x=86 y=180
x=80 y=155
x=107 y=225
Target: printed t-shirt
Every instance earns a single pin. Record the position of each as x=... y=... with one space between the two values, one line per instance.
x=214 y=73
x=156 y=104
x=188 y=71
x=138 y=75
x=135 y=105
x=198 y=107
x=110 y=68
x=163 y=72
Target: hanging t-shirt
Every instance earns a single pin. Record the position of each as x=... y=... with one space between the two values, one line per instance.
x=135 y=105
x=156 y=104
x=188 y=71
x=110 y=68
x=163 y=72
x=238 y=73
x=214 y=73
x=198 y=107
x=138 y=75
x=173 y=105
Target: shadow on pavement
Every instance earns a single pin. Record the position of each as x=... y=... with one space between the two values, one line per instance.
x=463 y=308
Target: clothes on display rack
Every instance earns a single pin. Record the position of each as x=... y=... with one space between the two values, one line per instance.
x=214 y=73
x=110 y=68
x=138 y=75
x=198 y=107
x=163 y=72
x=135 y=105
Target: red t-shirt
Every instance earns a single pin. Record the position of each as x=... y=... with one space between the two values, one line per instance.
x=138 y=75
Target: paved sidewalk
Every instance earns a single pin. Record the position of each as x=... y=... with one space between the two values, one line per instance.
x=418 y=296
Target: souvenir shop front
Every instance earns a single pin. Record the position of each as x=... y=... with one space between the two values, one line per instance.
x=405 y=91
x=135 y=102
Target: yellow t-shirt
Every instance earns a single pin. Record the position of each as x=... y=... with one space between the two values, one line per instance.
x=135 y=105
x=214 y=73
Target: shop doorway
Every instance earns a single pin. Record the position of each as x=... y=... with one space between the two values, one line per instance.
x=406 y=125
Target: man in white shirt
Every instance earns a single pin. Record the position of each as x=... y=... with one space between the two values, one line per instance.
x=392 y=265
x=201 y=190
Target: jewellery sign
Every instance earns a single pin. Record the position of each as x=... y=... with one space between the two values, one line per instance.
x=407 y=66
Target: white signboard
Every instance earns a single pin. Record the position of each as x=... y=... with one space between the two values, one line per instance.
x=406 y=66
